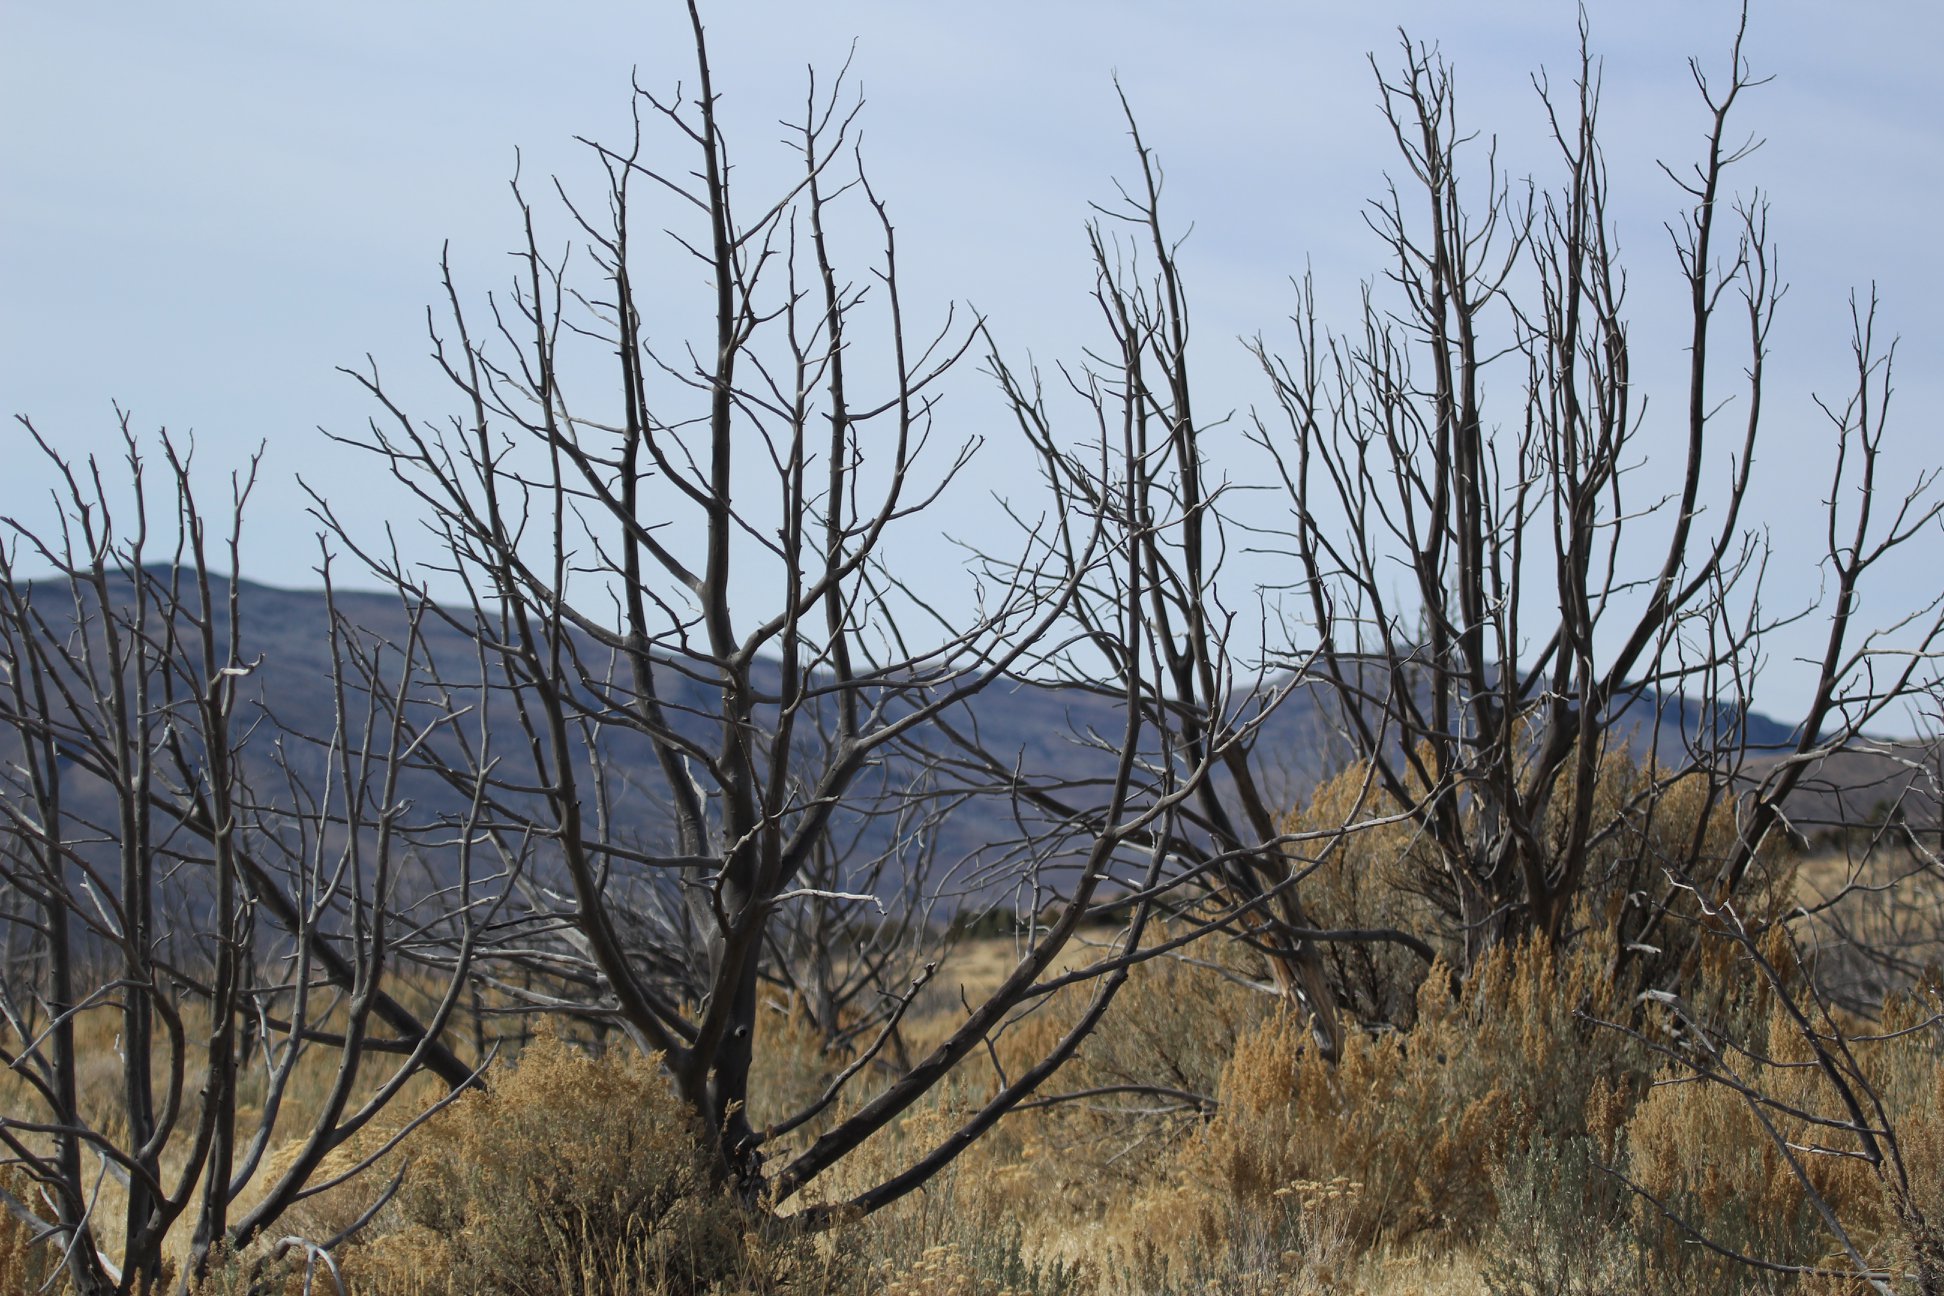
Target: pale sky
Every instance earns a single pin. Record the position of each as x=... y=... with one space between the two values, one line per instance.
x=205 y=208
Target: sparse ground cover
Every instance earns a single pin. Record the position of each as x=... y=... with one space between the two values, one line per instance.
x=1511 y=1141
x=1509 y=1005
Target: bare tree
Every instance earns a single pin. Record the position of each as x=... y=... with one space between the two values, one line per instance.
x=1141 y=466
x=1501 y=599
x=685 y=597
x=1849 y=1114
x=163 y=894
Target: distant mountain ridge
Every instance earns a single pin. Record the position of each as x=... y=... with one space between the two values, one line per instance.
x=286 y=638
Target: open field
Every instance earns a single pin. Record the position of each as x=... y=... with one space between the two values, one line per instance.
x=1196 y=1145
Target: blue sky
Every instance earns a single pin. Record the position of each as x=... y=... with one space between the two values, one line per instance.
x=204 y=209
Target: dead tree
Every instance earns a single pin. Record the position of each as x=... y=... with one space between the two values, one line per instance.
x=169 y=895
x=686 y=594
x=1503 y=593
x=1140 y=464
x=1863 y=673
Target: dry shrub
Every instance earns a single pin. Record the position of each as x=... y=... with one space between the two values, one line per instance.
x=24 y=1267
x=363 y=1157
x=1409 y=1127
x=570 y=1175
x=978 y=1228
x=1038 y=1190
x=792 y=1064
x=1570 y=1223
x=1152 y=1071
x=1698 y=1149
x=1176 y=1240
x=1909 y=1071
x=1177 y=1020
x=994 y=1267
x=941 y=1270
x=1564 y=1225
x=1392 y=875
x=1032 y=1190
x=1372 y=877
x=1698 y=1146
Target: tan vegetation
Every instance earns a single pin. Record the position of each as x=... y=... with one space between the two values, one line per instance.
x=1532 y=1129
x=1521 y=1001
x=1488 y=1149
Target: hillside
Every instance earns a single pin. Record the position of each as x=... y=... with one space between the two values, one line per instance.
x=290 y=701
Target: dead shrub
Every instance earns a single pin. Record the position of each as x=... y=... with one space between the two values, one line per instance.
x=1697 y=1146
x=1382 y=875
x=1414 y=1124
x=24 y=1266
x=1564 y=1225
x=570 y=1175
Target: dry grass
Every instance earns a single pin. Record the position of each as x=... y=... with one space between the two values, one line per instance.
x=1487 y=1147
x=23 y=1267
x=98 y=1043
x=1464 y=1156
x=571 y=1174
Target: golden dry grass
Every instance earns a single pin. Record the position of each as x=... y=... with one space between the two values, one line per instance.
x=1433 y=1161
x=98 y=1043
x=1485 y=1148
